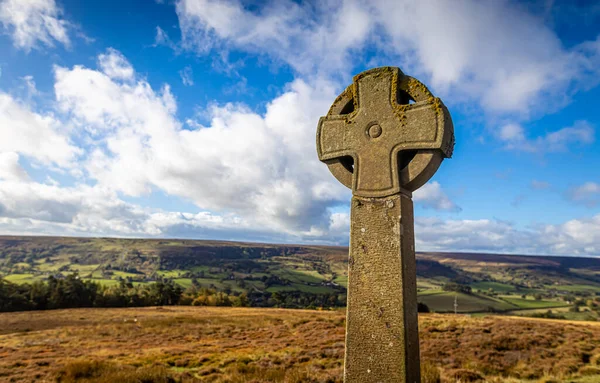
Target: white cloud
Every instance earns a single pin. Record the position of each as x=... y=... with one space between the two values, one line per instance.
x=30 y=22
x=287 y=31
x=513 y=137
x=162 y=38
x=38 y=136
x=252 y=175
x=115 y=65
x=28 y=207
x=479 y=235
x=464 y=48
x=581 y=132
x=432 y=196
x=187 y=76
x=574 y=237
x=10 y=169
x=340 y=224
x=59 y=205
x=262 y=167
x=32 y=207
x=30 y=85
x=512 y=133
x=587 y=194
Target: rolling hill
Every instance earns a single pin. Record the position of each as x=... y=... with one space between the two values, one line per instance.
x=478 y=282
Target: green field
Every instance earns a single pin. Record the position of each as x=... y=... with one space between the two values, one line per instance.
x=494 y=286
x=183 y=282
x=497 y=281
x=104 y=282
x=300 y=287
x=584 y=315
x=341 y=280
x=122 y=274
x=299 y=276
x=170 y=273
x=427 y=284
x=444 y=302
x=575 y=288
x=83 y=268
x=533 y=304
x=22 y=278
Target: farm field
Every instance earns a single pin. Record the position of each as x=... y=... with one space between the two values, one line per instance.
x=482 y=282
x=494 y=286
x=444 y=302
x=533 y=304
x=207 y=344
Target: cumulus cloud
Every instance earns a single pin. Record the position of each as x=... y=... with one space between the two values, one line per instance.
x=31 y=22
x=285 y=30
x=587 y=194
x=55 y=204
x=31 y=207
x=260 y=166
x=514 y=138
x=463 y=48
x=476 y=235
x=574 y=237
x=432 y=196
x=41 y=137
x=10 y=169
x=28 y=207
x=251 y=175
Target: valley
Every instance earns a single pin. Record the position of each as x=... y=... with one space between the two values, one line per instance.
x=560 y=287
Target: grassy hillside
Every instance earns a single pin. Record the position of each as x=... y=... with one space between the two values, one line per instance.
x=499 y=283
x=205 y=344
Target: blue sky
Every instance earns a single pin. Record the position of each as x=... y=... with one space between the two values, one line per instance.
x=197 y=118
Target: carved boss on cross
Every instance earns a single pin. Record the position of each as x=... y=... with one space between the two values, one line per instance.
x=386 y=133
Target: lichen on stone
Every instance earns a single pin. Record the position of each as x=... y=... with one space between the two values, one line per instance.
x=417 y=90
x=345 y=96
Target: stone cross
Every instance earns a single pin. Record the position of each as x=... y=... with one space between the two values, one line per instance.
x=383 y=137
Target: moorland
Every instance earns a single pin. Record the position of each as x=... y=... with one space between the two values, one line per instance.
x=223 y=344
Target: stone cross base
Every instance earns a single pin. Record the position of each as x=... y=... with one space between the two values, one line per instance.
x=382 y=341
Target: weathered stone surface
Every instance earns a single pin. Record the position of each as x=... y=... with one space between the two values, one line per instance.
x=382 y=341
x=383 y=147
x=411 y=142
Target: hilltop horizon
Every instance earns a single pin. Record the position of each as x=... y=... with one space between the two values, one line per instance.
x=296 y=244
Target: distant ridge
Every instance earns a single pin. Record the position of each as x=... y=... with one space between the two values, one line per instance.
x=483 y=281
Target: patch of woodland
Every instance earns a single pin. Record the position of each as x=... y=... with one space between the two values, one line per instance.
x=73 y=292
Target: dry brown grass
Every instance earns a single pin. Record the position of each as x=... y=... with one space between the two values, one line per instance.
x=105 y=372
x=208 y=344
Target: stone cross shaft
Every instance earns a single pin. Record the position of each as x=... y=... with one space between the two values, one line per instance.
x=384 y=137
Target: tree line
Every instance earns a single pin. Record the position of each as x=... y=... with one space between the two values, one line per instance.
x=74 y=292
